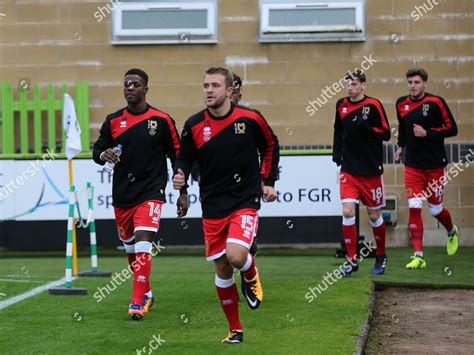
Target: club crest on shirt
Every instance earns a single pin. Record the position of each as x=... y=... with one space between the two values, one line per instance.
x=239 y=128
x=344 y=109
x=123 y=123
x=407 y=108
x=206 y=133
x=152 y=126
x=426 y=107
x=365 y=112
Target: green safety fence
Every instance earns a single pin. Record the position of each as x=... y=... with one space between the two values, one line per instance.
x=12 y=110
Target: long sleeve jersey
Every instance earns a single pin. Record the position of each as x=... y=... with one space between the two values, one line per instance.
x=433 y=114
x=359 y=130
x=235 y=153
x=147 y=138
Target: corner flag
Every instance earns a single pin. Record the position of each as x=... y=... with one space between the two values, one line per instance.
x=72 y=128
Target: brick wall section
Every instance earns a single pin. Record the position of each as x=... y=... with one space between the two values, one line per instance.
x=62 y=42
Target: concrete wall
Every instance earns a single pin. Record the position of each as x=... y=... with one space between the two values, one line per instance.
x=61 y=42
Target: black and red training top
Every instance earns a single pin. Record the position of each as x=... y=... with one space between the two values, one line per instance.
x=147 y=138
x=360 y=128
x=235 y=153
x=433 y=114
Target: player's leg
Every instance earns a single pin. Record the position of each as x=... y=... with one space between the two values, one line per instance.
x=228 y=298
x=349 y=197
x=215 y=234
x=125 y=228
x=435 y=203
x=415 y=187
x=372 y=194
x=243 y=226
x=253 y=251
x=146 y=223
x=378 y=228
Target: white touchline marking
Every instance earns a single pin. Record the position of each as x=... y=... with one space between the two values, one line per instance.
x=31 y=293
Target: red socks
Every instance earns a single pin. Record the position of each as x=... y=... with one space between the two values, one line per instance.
x=229 y=300
x=249 y=270
x=415 y=226
x=444 y=217
x=378 y=227
x=349 y=233
x=131 y=259
x=141 y=273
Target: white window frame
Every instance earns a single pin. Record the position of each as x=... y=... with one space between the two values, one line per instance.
x=315 y=33
x=165 y=36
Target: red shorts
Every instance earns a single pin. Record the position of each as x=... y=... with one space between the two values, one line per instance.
x=368 y=189
x=425 y=184
x=146 y=217
x=239 y=227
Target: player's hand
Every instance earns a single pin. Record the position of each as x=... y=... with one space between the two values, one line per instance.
x=109 y=156
x=398 y=154
x=179 y=180
x=419 y=131
x=183 y=205
x=269 y=194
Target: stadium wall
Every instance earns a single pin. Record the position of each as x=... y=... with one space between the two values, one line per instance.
x=62 y=42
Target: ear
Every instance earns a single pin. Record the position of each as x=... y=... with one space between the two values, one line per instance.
x=229 y=91
x=146 y=89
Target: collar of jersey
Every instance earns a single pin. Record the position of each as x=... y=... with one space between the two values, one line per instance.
x=138 y=113
x=221 y=117
x=355 y=102
x=418 y=100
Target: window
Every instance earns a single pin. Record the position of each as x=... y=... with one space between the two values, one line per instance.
x=163 y=22
x=312 y=21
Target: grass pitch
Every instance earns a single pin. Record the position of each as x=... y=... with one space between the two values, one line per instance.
x=187 y=317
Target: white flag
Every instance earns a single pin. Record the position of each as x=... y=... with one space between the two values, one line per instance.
x=71 y=127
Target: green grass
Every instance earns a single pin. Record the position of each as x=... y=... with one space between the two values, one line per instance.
x=187 y=314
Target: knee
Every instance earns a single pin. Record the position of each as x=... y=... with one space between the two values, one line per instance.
x=236 y=260
x=223 y=269
x=144 y=236
x=435 y=209
x=374 y=215
x=348 y=211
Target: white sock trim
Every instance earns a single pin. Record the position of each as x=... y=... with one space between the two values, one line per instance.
x=415 y=202
x=149 y=294
x=143 y=247
x=129 y=249
x=224 y=283
x=247 y=264
x=377 y=223
x=435 y=209
x=348 y=221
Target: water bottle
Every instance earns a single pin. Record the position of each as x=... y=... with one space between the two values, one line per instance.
x=109 y=167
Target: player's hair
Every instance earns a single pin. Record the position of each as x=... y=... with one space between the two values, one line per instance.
x=237 y=83
x=140 y=73
x=229 y=77
x=417 y=71
x=356 y=74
